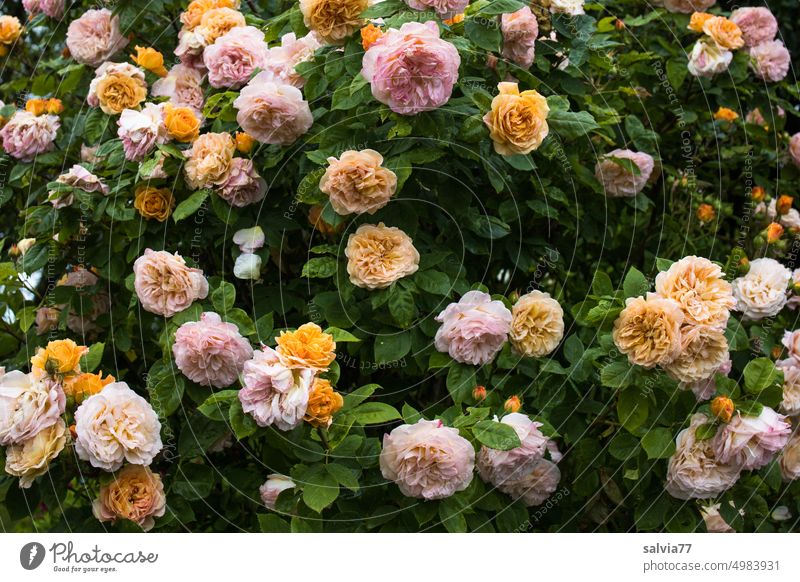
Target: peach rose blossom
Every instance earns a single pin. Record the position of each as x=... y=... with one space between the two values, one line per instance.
x=272 y=112
x=648 y=330
x=704 y=350
x=697 y=285
x=235 y=56
x=282 y=60
x=117 y=425
x=183 y=86
x=751 y=442
x=379 y=255
x=357 y=182
x=794 y=148
x=273 y=487
x=95 y=37
x=724 y=32
x=31 y=458
x=193 y=15
x=444 y=8
x=28 y=405
x=688 y=6
x=26 y=135
x=474 y=329
x=306 y=347
x=333 y=20
x=50 y=8
x=707 y=59
x=617 y=181
x=705 y=389
x=537 y=324
x=217 y=22
x=520 y=30
x=694 y=471
x=791 y=341
x=758 y=24
x=536 y=486
x=517 y=121
x=497 y=467
x=135 y=493
x=116 y=87
x=165 y=285
x=82 y=179
x=323 y=403
x=770 y=60
x=427 y=460
x=762 y=291
x=208 y=161
x=789 y=460
x=243 y=185
x=210 y=352
x=790 y=403
x=141 y=130
x=274 y=393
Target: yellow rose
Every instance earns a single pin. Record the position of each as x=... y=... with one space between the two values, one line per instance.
x=369 y=35
x=193 y=14
x=36 y=106
x=81 y=386
x=323 y=403
x=156 y=203
x=181 y=123
x=308 y=347
x=59 y=357
x=725 y=114
x=219 y=21
x=54 y=106
x=10 y=29
x=150 y=59
x=117 y=92
x=517 y=121
x=31 y=458
x=706 y=213
x=333 y=20
x=698 y=20
x=724 y=32
x=244 y=142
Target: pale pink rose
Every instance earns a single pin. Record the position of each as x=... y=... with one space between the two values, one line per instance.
x=141 y=130
x=249 y=239
x=713 y=520
x=705 y=389
x=411 y=69
x=752 y=441
x=81 y=178
x=184 y=87
x=473 y=330
x=536 y=486
x=757 y=24
x=235 y=56
x=790 y=459
x=117 y=425
x=794 y=148
x=51 y=8
x=762 y=291
x=243 y=185
x=88 y=154
x=95 y=37
x=520 y=30
x=790 y=403
x=791 y=341
x=444 y=8
x=189 y=51
x=688 y=6
x=210 y=352
x=272 y=488
x=357 y=182
x=26 y=135
x=617 y=181
x=707 y=59
x=46 y=319
x=28 y=405
x=274 y=393
x=272 y=112
x=770 y=60
x=165 y=285
x=497 y=467
x=427 y=460
x=281 y=60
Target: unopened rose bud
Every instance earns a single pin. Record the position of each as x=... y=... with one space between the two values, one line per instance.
x=776 y=352
x=758 y=193
x=706 y=213
x=479 y=393
x=513 y=404
x=14 y=251
x=244 y=142
x=784 y=204
x=743 y=267
x=513 y=296
x=619 y=24
x=73 y=432
x=722 y=408
x=774 y=233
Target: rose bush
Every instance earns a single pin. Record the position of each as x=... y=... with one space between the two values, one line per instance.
x=342 y=265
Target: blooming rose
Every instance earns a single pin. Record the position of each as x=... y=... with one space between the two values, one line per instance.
x=272 y=112
x=791 y=341
x=704 y=350
x=247 y=266
x=217 y=22
x=141 y=130
x=190 y=49
x=80 y=386
x=274 y=393
x=28 y=405
x=117 y=425
x=697 y=285
x=307 y=347
x=282 y=60
x=794 y=148
x=473 y=330
x=208 y=161
x=427 y=460
x=51 y=8
x=790 y=404
x=411 y=69
x=694 y=471
x=517 y=121
x=165 y=285
x=59 y=357
x=193 y=15
x=705 y=389
x=724 y=32
x=184 y=87
x=751 y=441
x=272 y=488
x=497 y=467
x=762 y=291
x=181 y=123
x=150 y=60
x=648 y=330
x=618 y=180
x=243 y=185
x=26 y=135
x=443 y=8
x=116 y=87
x=95 y=37
x=537 y=324
x=536 y=486
x=379 y=255
x=758 y=25
x=520 y=30
x=135 y=493
x=707 y=59
x=46 y=319
x=80 y=178
x=358 y=183
x=333 y=20
x=790 y=459
x=151 y=202
x=688 y=6
x=323 y=403
x=31 y=458
x=249 y=239
x=210 y=352
x=235 y=56
x=770 y=60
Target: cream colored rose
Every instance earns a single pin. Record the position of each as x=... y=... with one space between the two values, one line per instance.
x=704 y=350
x=31 y=458
x=517 y=121
x=357 y=183
x=209 y=160
x=790 y=459
x=648 y=330
x=537 y=325
x=762 y=291
x=377 y=256
x=135 y=493
x=698 y=287
x=333 y=20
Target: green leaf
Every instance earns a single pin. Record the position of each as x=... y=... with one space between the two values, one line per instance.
x=264 y=326
x=91 y=360
x=375 y=413
x=392 y=347
x=217 y=406
x=434 y=282
x=496 y=435
x=191 y=205
x=271 y=523
x=341 y=335
x=358 y=396
x=759 y=374
x=166 y=386
x=601 y=284
x=401 y=306
x=500 y=7
x=383 y=9
x=344 y=476
x=320 y=267
x=573 y=349
x=633 y=408
x=193 y=481
x=635 y=283
x=460 y=382
x=616 y=374
x=410 y=414
x=483 y=34
x=658 y=443
x=223 y=297
x=243 y=425
x=452 y=515
x=320 y=489
x=749 y=408
x=571 y=124
x=308 y=191
x=706 y=431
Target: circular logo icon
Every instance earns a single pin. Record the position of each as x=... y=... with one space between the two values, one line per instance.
x=31 y=555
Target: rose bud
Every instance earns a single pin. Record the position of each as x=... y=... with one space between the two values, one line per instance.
x=513 y=404
x=722 y=407
x=784 y=204
x=774 y=232
x=479 y=393
x=758 y=193
x=706 y=213
x=244 y=142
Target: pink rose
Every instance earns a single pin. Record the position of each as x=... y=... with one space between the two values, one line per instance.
x=81 y=178
x=273 y=487
x=705 y=389
x=617 y=180
x=210 y=352
x=165 y=285
x=473 y=330
x=520 y=30
x=281 y=60
x=688 y=6
x=758 y=24
x=443 y=8
x=791 y=341
x=28 y=405
x=411 y=69
x=184 y=87
x=427 y=460
x=770 y=60
x=794 y=148
x=497 y=467
x=51 y=8
x=243 y=185
x=95 y=37
x=272 y=112
x=141 y=130
x=274 y=393
x=189 y=51
x=235 y=56
x=536 y=485
x=751 y=441
x=707 y=59
x=27 y=135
